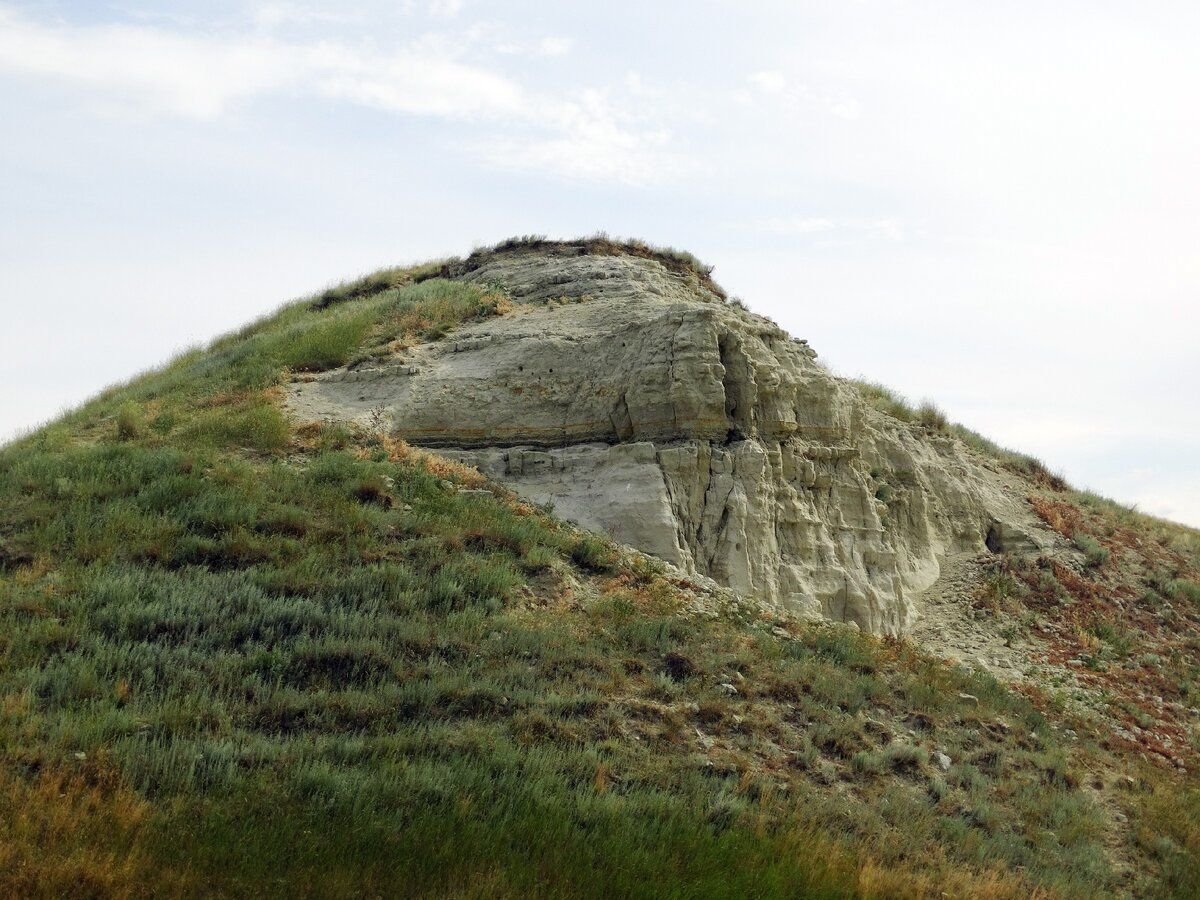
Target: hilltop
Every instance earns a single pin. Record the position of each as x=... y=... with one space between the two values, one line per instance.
x=554 y=571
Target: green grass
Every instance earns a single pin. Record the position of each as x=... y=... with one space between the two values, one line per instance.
x=1185 y=589
x=1168 y=828
x=885 y=400
x=275 y=637
x=244 y=657
x=930 y=417
x=1094 y=553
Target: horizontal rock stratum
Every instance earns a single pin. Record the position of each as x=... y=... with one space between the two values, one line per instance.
x=634 y=398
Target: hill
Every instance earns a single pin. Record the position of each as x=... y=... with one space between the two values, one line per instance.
x=294 y=615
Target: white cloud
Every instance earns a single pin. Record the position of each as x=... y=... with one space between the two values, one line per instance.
x=797 y=225
x=276 y=14
x=152 y=68
x=888 y=229
x=549 y=46
x=416 y=83
x=769 y=82
x=156 y=70
x=592 y=138
x=776 y=87
x=447 y=8
x=554 y=46
x=844 y=108
x=203 y=77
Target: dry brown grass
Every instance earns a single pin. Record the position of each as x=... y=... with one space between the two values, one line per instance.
x=677 y=261
x=399 y=450
x=416 y=324
x=1058 y=515
x=77 y=834
x=1135 y=642
x=877 y=881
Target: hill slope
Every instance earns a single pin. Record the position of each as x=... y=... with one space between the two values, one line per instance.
x=245 y=653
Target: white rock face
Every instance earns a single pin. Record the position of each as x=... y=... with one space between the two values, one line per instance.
x=640 y=404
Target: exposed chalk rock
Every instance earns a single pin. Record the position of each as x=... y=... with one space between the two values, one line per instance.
x=639 y=403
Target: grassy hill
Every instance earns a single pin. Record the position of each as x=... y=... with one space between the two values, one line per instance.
x=243 y=656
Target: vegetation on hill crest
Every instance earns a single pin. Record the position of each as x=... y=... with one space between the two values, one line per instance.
x=678 y=261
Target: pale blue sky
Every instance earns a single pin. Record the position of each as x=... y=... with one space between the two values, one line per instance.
x=991 y=205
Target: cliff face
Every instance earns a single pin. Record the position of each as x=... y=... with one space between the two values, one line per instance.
x=638 y=402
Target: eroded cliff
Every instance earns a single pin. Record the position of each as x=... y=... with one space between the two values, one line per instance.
x=637 y=401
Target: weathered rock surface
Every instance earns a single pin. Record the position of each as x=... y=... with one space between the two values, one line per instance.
x=639 y=403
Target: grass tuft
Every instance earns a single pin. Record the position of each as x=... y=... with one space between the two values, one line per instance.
x=930 y=417
x=1094 y=552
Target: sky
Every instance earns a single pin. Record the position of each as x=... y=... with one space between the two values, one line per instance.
x=993 y=206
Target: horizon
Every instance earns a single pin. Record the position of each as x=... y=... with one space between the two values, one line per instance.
x=1010 y=238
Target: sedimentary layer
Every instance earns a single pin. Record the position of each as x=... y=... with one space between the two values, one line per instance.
x=640 y=403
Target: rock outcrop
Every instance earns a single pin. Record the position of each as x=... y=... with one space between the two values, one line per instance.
x=637 y=401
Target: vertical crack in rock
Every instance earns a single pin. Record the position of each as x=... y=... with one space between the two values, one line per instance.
x=621 y=421
x=739 y=387
x=671 y=373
